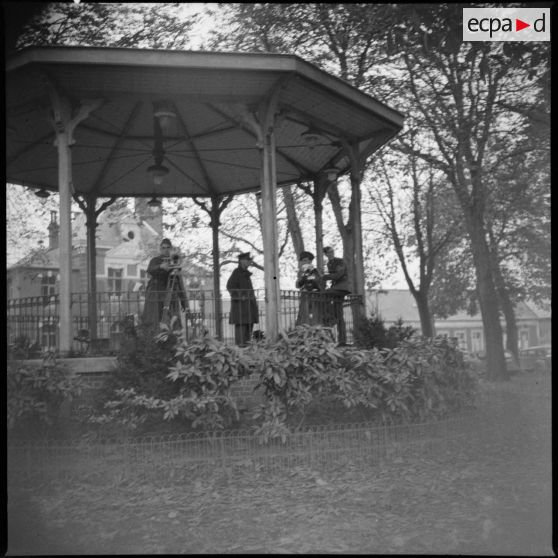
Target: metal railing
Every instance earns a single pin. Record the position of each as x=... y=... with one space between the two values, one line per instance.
x=33 y=322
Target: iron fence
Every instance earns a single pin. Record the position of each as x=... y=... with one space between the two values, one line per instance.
x=179 y=456
x=34 y=321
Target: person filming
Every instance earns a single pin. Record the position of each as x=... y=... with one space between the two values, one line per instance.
x=159 y=269
x=337 y=274
x=310 y=284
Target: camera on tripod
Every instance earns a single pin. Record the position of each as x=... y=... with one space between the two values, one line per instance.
x=174 y=260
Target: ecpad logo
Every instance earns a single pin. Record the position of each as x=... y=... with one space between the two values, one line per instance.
x=506 y=24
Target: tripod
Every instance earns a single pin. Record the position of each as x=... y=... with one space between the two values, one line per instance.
x=176 y=302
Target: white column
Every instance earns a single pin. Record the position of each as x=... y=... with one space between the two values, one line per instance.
x=64 y=123
x=263 y=128
x=269 y=230
x=65 y=244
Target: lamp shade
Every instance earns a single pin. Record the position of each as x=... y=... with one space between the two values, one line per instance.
x=165 y=114
x=311 y=137
x=158 y=172
x=331 y=173
x=42 y=193
x=154 y=203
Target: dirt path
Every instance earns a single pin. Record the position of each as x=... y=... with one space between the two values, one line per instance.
x=490 y=496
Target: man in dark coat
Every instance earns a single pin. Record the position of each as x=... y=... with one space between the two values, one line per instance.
x=339 y=277
x=244 y=308
x=310 y=284
x=158 y=270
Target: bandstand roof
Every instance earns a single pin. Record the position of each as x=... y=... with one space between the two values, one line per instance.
x=210 y=148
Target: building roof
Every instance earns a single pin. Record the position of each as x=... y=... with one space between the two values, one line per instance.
x=109 y=235
x=39 y=259
x=393 y=304
x=541 y=309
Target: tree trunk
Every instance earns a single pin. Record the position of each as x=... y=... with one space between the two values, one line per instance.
x=292 y=219
x=488 y=299
x=426 y=321
x=512 y=336
x=318 y=218
x=355 y=209
x=344 y=231
x=320 y=188
x=91 y=223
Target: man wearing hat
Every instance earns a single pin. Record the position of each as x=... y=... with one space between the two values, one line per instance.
x=310 y=284
x=244 y=308
x=337 y=273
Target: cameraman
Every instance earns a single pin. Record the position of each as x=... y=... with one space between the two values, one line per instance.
x=337 y=273
x=159 y=269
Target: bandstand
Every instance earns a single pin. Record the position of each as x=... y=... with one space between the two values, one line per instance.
x=96 y=123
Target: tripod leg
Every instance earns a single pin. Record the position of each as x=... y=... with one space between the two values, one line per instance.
x=168 y=300
x=182 y=306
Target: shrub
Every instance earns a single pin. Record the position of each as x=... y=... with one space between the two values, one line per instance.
x=143 y=362
x=23 y=348
x=191 y=387
x=418 y=380
x=292 y=369
x=302 y=375
x=36 y=395
x=372 y=333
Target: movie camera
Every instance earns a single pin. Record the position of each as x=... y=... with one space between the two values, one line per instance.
x=174 y=260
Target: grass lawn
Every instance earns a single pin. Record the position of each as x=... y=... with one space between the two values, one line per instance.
x=491 y=495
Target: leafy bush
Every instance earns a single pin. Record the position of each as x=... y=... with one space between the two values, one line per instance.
x=303 y=374
x=372 y=333
x=191 y=387
x=36 y=395
x=23 y=348
x=292 y=369
x=143 y=363
x=418 y=380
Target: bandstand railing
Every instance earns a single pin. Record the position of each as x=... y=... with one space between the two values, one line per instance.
x=33 y=322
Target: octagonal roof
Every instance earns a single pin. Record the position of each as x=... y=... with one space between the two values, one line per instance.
x=210 y=148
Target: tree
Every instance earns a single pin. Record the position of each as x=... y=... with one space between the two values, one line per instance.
x=27 y=219
x=460 y=91
x=158 y=26
x=420 y=223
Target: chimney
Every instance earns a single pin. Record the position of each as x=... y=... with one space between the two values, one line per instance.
x=53 y=229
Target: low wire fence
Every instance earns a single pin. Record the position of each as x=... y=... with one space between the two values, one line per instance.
x=181 y=456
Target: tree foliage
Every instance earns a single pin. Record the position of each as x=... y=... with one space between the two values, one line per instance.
x=461 y=94
x=137 y=25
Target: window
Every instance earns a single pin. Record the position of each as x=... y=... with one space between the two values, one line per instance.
x=115 y=280
x=461 y=337
x=523 y=338
x=477 y=341
x=132 y=270
x=48 y=284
